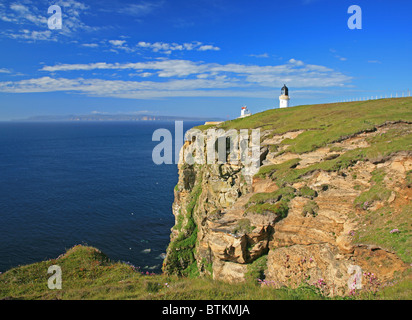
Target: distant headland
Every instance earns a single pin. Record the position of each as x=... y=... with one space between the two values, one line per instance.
x=113 y=117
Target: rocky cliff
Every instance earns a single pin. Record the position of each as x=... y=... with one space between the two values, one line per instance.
x=330 y=206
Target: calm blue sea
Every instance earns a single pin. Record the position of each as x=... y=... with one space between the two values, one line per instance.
x=93 y=183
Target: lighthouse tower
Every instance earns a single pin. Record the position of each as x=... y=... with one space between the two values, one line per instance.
x=284 y=97
x=244 y=112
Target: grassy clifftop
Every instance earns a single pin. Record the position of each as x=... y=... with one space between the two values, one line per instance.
x=324 y=123
x=88 y=274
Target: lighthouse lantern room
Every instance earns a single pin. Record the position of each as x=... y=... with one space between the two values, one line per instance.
x=284 y=97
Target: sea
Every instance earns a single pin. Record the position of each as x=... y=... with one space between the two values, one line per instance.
x=90 y=183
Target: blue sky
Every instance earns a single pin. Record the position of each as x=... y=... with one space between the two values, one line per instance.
x=199 y=57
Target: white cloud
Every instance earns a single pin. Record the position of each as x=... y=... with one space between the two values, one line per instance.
x=159 y=47
x=296 y=73
x=117 y=43
x=164 y=47
x=19 y=8
x=21 y=14
x=145 y=74
x=263 y=55
x=142 y=89
x=28 y=21
x=90 y=45
x=138 y=10
x=125 y=89
x=180 y=78
x=4 y=70
x=108 y=87
x=176 y=68
x=296 y=62
x=33 y=35
x=98 y=112
x=208 y=47
x=336 y=55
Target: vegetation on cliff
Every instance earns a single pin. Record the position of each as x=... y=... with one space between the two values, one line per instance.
x=325 y=123
x=334 y=191
x=181 y=258
x=328 y=173
x=88 y=274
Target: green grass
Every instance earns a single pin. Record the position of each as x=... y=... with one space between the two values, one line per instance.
x=336 y=149
x=328 y=123
x=307 y=192
x=273 y=148
x=325 y=123
x=181 y=251
x=286 y=193
x=204 y=127
x=310 y=208
x=243 y=226
x=376 y=193
x=278 y=170
x=378 y=228
x=409 y=179
x=280 y=208
x=381 y=146
x=179 y=222
x=401 y=291
x=276 y=202
x=83 y=269
x=256 y=270
x=89 y=274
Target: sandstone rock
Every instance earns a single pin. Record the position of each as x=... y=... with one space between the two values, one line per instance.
x=228 y=271
x=290 y=266
x=299 y=247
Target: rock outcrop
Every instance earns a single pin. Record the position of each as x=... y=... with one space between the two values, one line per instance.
x=305 y=224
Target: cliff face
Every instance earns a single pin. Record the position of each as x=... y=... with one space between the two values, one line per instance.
x=324 y=217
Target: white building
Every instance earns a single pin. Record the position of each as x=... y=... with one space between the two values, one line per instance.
x=284 y=97
x=244 y=112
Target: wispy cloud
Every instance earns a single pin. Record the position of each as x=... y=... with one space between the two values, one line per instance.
x=90 y=45
x=117 y=43
x=4 y=70
x=374 y=61
x=295 y=71
x=169 y=47
x=337 y=56
x=161 y=47
x=262 y=55
x=32 y=35
x=139 y=9
x=141 y=90
x=181 y=78
x=208 y=47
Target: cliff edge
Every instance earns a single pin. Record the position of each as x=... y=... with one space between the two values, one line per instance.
x=329 y=206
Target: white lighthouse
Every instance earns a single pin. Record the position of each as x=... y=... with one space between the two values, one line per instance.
x=244 y=112
x=284 y=97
